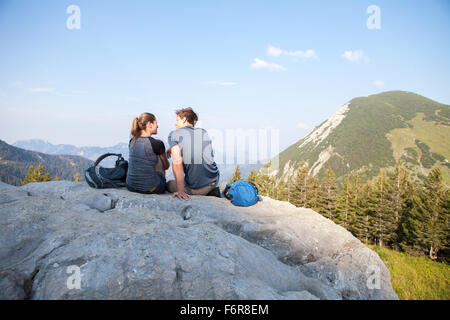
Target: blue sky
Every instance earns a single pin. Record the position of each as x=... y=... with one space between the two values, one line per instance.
x=84 y=87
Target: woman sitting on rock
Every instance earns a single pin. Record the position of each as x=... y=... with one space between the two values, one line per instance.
x=147 y=162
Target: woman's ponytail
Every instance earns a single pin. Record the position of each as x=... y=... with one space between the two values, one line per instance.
x=139 y=124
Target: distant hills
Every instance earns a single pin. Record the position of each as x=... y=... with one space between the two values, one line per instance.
x=370 y=133
x=15 y=162
x=91 y=153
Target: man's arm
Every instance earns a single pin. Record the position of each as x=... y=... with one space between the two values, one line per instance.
x=178 y=172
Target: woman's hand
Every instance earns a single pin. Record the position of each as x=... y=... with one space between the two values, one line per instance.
x=181 y=195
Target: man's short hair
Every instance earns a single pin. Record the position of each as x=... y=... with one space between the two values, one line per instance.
x=188 y=114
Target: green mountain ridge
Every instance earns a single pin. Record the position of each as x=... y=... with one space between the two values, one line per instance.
x=370 y=133
x=15 y=162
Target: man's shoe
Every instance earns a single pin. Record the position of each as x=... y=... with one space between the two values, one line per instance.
x=214 y=193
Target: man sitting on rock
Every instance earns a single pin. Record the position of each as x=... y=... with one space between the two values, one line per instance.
x=193 y=164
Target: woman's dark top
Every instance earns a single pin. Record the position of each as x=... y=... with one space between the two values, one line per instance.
x=143 y=158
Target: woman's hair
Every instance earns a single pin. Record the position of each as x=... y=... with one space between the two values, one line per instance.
x=139 y=124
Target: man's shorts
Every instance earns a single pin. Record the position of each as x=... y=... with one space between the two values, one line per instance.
x=203 y=191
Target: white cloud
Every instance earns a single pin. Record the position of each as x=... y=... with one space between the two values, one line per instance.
x=378 y=83
x=220 y=83
x=261 y=64
x=302 y=125
x=356 y=56
x=276 y=52
x=46 y=90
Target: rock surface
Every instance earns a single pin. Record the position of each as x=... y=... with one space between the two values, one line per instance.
x=133 y=246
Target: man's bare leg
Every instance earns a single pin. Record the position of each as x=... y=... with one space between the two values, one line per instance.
x=172 y=187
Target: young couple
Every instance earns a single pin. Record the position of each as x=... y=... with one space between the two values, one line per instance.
x=191 y=151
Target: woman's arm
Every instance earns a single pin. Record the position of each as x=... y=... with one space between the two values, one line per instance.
x=160 y=150
x=164 y=161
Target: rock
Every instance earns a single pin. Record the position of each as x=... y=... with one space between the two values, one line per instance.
x=121 y=245
x=99 y=202
x=187 y=212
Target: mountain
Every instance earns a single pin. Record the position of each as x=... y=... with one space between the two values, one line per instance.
x=370 y=133
x=91 y=153
x=14 y=163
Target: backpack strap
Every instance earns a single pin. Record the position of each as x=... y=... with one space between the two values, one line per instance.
x=225 y=191
x=88 y=178
x=254 y=186
x=105 y=156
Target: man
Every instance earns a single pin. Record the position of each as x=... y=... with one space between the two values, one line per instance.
x=193 y=164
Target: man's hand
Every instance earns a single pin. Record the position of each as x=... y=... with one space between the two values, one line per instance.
x=181 y=195
x=169 y=153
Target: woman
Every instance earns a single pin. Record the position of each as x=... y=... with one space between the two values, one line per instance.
x=147 y=162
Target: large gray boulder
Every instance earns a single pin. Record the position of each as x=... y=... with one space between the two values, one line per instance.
x=121 y=245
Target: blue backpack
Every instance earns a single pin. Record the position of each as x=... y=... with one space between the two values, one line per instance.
x=242 y=193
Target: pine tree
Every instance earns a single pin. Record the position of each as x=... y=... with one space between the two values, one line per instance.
x=265 y=182
x=36 y=174
x=358 y=220
x=266 y=185
x=362 y=227
x=427 y=226
x=313 y=193
x=346 y=204
x=282 y=191
x=383 y=219
x=299 y=193
x=76 y=177
x=252 y=177
x=236 y=175
x=328 y=195
x=304 y=190
x=402 y=192
x=289 y=185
